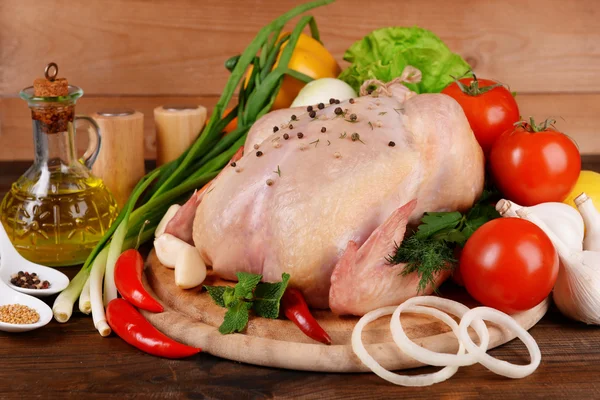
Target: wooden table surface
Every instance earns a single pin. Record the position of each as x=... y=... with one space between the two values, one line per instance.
x=72 y=360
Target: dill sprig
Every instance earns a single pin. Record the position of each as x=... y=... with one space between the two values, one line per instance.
x=426 y=257
x=430 y=249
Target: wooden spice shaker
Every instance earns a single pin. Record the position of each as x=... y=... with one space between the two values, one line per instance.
x=121 y=160
x=177 y=127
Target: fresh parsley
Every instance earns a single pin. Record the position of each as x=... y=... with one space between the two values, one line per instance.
x=249 y=293
x=431 y=249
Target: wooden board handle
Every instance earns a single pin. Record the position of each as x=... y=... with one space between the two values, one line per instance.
x=120 y=163
x=177 y=127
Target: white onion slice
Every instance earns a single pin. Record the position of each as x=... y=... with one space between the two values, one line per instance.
x=404 y=380
x=500 y=367
x=431 y=357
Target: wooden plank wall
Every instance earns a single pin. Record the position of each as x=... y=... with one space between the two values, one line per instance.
x=144 y=53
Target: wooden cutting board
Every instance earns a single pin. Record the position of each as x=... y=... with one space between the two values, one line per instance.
x=192 y=317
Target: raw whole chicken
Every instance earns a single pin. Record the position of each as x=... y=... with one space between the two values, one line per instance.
x=326 y=196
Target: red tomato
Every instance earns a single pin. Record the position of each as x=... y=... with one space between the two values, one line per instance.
x=490 y=113
x=509 y=264
x=535 y=167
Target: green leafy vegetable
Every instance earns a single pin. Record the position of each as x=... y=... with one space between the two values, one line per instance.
x=246 y=284
x=267 y=297
x=431 y=249
x=384 y=53
x=436 y=221
x=427 y=257
x=216 y=292
x=236 y=317
x=248 y=293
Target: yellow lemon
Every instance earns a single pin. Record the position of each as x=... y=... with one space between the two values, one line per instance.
x=588 y=182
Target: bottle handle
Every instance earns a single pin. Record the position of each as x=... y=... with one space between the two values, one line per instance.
x=91 y=153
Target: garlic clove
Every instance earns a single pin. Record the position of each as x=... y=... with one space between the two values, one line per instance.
x=591 y=217
x=162 y=225
x=561 y=218
x=576 y=291
x=168 y=248
x=190 y=270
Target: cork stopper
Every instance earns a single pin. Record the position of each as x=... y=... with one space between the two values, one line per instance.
x=51 y=86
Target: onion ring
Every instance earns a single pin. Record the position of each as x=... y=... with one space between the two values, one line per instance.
x=500 y=367
x=431 y=357
x=404 y=380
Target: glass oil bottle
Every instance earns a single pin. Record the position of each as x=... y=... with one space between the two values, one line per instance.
x=57 y=211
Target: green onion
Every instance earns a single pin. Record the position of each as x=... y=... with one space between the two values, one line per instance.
x=63 y=305
x=116 y=244
x=173 y=182
x=85 y=305
x=97 y=272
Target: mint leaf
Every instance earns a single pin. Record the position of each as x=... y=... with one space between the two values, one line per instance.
x=236 y=317
x=229 y=296
x=216 y=293
x=246 y=294
x=434 y=222
x=267 y=297
x=246 y=284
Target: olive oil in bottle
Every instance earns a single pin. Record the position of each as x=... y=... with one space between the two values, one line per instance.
x=59 y=228
x=57 y=211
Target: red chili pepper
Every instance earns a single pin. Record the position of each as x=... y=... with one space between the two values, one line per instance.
x=132 y=327
x=296 y=310
x=128 y=279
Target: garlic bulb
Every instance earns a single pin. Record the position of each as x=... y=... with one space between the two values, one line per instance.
x=591 y=217
x=577 y=289
x=561 y=218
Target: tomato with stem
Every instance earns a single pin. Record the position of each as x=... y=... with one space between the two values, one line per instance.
x=534 y=164
x=490 y=108
x=509 y=264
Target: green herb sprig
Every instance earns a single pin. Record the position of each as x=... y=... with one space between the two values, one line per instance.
x=248 y=294
x=430 y=250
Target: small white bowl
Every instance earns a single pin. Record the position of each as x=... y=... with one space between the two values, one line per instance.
x=8 y=296
x=58 y=281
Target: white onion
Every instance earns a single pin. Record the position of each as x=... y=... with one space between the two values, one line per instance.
x=431 y=357
x=500 y=367
x=404 y=380
x=321 y=90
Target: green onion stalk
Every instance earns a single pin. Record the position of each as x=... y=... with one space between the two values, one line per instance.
x=172 y=182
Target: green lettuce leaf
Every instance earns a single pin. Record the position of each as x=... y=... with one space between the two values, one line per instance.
x=384 y=53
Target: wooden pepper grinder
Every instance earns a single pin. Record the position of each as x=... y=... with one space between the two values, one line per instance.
x=121 y=160
x=177 y=127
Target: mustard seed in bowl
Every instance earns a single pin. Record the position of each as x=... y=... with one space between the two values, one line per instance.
x=18 y=314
